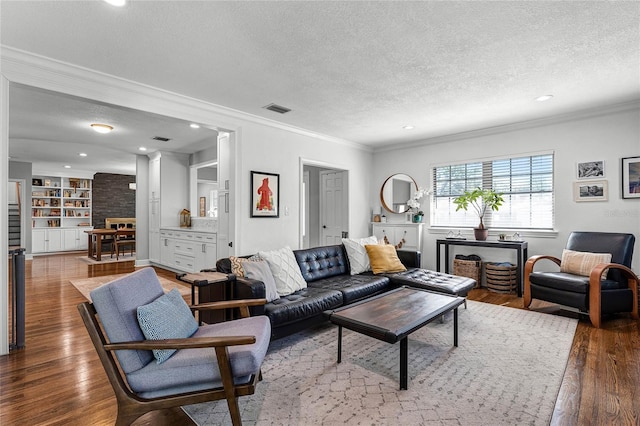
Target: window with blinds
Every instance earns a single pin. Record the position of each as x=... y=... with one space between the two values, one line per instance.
x=525 y=182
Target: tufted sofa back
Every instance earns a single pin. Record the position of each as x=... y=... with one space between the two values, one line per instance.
x=322 y=262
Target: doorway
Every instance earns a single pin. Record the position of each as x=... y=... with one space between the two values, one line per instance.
x=324 y=205
x=16 y=212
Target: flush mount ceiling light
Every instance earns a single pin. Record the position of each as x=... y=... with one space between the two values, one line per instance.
x=142 y=148
x=407 y=127
x=67 y=167
x=101 y=128
x=544 y=98
x=118 y=3
x=82 y=154
x=194 y=126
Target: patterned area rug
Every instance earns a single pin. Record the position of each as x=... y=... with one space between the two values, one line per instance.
x=106 y=258
x=507 y=370
x=85 y=285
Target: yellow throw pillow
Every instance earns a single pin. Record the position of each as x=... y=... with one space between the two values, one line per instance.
x=384 y=259
x=582 y=262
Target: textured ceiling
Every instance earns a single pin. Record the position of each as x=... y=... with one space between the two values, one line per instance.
x=358 y=71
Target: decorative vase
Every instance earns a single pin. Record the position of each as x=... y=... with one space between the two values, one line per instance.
x=417 y=218
x=481 y=234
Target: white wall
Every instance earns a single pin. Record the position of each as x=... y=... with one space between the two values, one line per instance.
x=274 y=150
x=609 y=135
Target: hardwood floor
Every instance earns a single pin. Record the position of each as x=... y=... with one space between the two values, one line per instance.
x=58 y=379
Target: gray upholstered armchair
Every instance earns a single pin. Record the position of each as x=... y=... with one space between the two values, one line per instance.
x=589 y=279
x=217 y=361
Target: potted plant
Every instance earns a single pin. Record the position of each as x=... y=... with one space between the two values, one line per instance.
x=414 y=205
x=480 y=200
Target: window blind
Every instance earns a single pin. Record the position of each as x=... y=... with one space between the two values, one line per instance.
x=525 y=182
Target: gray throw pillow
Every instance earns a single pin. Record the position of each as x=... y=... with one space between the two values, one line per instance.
x=260 y=271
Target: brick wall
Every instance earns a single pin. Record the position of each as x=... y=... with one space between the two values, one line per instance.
x=112 y=197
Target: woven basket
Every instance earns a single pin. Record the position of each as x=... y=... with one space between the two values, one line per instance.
x=468 y=268
x=501 y=278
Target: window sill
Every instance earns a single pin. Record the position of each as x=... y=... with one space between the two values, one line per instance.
x=495 y=232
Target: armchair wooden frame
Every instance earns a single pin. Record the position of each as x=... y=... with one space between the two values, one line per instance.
x=131 y=406
x=595 y=296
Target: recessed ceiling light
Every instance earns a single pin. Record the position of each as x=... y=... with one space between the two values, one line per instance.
x=82 y=154
x=142 y=148
x=407 y=127
x=67 y=167
x=118 y=3
x=544 y=98
x=101 y=128
x=194 y=126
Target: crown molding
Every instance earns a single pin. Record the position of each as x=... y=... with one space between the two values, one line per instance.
x=512 y=127
x=30 y=69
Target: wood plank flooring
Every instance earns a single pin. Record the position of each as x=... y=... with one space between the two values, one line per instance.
x=57 y=379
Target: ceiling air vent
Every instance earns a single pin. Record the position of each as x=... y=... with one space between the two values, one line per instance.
x=161 y=139
x=277 y=108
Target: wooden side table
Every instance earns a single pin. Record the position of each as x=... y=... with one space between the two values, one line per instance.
x=212 y=287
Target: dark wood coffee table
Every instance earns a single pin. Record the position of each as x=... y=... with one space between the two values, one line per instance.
x=393 y=316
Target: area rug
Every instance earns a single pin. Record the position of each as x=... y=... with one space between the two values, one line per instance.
x=507 y=370
x=106 y=258
x=85 y=285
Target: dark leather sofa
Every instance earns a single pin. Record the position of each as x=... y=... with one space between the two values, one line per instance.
x=330 y=285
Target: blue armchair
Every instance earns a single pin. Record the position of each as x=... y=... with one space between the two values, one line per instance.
x=219 y=361
x=607 y=287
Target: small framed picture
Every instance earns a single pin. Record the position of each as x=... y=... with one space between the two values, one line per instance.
x=590 y=170
x=265 y=194
x=596 y=190
x=203 y=207
x=631 y=177
x=36 y=182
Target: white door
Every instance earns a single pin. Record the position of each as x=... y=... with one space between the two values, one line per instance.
x=333 y=207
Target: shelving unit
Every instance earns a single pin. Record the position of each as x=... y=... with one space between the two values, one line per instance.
x=60 y=202
x=60 y=213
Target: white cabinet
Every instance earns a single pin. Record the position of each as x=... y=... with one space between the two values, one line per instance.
x=46 y=240
x=206 y=251
x=168 y=195
x=409 y=235
x=74 y=239
x=187 y=250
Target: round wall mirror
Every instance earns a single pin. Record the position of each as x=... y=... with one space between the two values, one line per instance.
x=396 y=191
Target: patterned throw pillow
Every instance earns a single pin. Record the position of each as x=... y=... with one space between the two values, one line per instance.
x=384 y=259
x=285 y=270
x=237 y=268
x=357 y=254
x=582 y=262
x=167 y=317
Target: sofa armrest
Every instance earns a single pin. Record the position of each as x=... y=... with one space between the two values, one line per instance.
x=246 y=288
x=410 y=259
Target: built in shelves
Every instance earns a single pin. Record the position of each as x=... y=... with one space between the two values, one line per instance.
x=60 y=202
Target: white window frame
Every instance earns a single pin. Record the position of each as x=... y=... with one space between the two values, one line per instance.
x=479 y=171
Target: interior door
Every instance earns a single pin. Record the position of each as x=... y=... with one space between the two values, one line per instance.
x=333 y=207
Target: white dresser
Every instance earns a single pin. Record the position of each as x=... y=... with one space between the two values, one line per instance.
x=409 y=234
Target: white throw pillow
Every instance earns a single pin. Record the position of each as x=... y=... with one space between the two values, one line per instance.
x=260 y=271
x=357 y=254
x=285 y=270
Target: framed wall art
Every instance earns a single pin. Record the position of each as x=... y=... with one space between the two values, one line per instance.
x=595 y=190
x=265 y=194
x=590 y=170
x=202 y=208
x=631 y=177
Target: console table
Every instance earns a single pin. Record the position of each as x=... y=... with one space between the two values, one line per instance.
x=521 y=247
